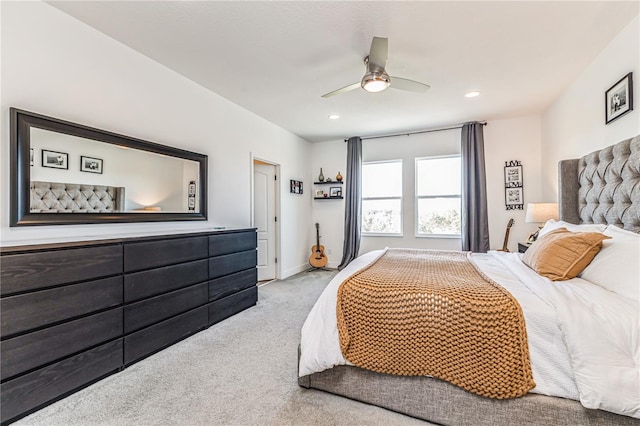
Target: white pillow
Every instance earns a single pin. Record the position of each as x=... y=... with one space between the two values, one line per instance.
x=617 y=266
x=552 y=225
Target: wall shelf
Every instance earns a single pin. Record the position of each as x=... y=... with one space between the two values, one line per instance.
x=333 y=182
x=328 y=198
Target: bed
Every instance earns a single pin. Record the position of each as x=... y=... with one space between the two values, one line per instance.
x=598 y=192
x=58 y=197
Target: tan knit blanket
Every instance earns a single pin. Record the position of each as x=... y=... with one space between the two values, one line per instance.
x=423 y=312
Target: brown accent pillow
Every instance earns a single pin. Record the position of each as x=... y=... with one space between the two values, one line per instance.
x=561 y=255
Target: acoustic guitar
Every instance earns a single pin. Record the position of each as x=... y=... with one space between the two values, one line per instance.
x=318 y=259
x=506 y=236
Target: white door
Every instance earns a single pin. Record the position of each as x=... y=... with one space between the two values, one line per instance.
x=264 y=218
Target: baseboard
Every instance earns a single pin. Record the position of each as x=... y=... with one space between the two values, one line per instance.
x=295 y=270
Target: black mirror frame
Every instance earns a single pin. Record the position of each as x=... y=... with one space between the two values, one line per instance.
x=20 y=215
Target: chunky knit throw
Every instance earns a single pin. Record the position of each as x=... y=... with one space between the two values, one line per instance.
x=425 y=312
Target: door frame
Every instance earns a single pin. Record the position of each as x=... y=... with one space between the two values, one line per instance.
x=276 y=204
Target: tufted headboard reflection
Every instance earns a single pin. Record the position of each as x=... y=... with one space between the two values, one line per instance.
x=603 y=187
x=55 y=197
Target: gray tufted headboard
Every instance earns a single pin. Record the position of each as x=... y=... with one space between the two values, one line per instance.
x=56 y=197
x=602 y=187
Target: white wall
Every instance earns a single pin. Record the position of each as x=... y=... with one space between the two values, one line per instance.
x=574 y=125
x=505 y=140
x=54 y=65
x=511 y=139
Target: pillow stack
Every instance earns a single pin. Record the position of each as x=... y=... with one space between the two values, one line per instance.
x=561 y=255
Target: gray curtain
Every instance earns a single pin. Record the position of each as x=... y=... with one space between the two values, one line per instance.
x=475 y=223
x=353 y=202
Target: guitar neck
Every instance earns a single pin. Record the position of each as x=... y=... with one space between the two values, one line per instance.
x=506 y=240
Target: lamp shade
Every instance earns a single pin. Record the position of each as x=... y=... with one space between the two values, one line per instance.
x=541 y=212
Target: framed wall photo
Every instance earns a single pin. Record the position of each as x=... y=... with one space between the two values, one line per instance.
x=619 y=98
x=513 y=198
x=295 y=186
x=90 y=165
x=55 y=160
x=513 y=176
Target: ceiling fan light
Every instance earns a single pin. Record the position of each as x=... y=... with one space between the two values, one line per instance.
x=374 y=82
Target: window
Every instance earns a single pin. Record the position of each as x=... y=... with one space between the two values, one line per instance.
x=382 y=198
x=438 y=196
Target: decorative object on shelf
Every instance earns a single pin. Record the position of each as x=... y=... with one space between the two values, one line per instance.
x=506 y=236
x=540 y=213
x=335 y=191
x=55 y=160
x=90 y=165
x=319 y=193
x=191 y=195
x=513 y=190
x=618 y=99
x=339 y=177
x=328 y=180
x=295 y=186
x=321 y=176
x=325 y=195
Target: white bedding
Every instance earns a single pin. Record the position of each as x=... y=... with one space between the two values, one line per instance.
x=601 y=368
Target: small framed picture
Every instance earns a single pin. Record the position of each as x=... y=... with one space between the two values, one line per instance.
x=513 y=198
x=319 y=193
x=335 y=191
x=90 y=164
x=513 y=176
x=55 y=160
x=295 y=186
x=619 y=98
x=31 y=153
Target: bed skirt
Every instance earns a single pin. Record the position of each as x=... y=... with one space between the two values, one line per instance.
x=440 y=402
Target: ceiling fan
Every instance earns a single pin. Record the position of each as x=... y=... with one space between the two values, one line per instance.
x=376 y=78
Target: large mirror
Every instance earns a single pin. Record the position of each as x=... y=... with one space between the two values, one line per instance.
x=67 y=173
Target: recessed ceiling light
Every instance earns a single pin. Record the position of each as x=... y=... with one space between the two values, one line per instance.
x=334 y=117
x=472 y=94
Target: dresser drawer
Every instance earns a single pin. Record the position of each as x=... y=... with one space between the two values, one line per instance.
x=28 y=311
x=153 y=254
x=230 y=305
x=145 y=342
x=231 y=243
x=31 y=350
x=229 y=284
x=46 y=384
x=139 y=285
x=31 y=271
x=150 y=311
x=230 y=263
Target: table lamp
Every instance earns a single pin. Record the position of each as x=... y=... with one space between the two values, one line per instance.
x=539 y=213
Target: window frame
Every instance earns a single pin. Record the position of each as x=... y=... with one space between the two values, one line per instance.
x=416 y=216
x=363 y=199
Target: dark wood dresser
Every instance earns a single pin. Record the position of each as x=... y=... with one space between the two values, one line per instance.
x=74 y=313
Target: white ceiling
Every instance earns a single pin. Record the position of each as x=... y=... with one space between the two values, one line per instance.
x=277 y=58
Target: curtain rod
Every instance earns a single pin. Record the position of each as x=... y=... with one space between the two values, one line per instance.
x=458 y=126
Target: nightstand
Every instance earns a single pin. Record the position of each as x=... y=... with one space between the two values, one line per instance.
x=523 y=247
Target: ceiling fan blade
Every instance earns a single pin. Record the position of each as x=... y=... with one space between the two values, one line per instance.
x=408 y=85
x=378 y=53
x=342 y=90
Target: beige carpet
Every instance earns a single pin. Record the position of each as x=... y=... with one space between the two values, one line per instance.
x=242 y=371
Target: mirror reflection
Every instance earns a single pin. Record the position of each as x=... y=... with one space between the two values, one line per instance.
x=67 y=173
x=76 y=175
